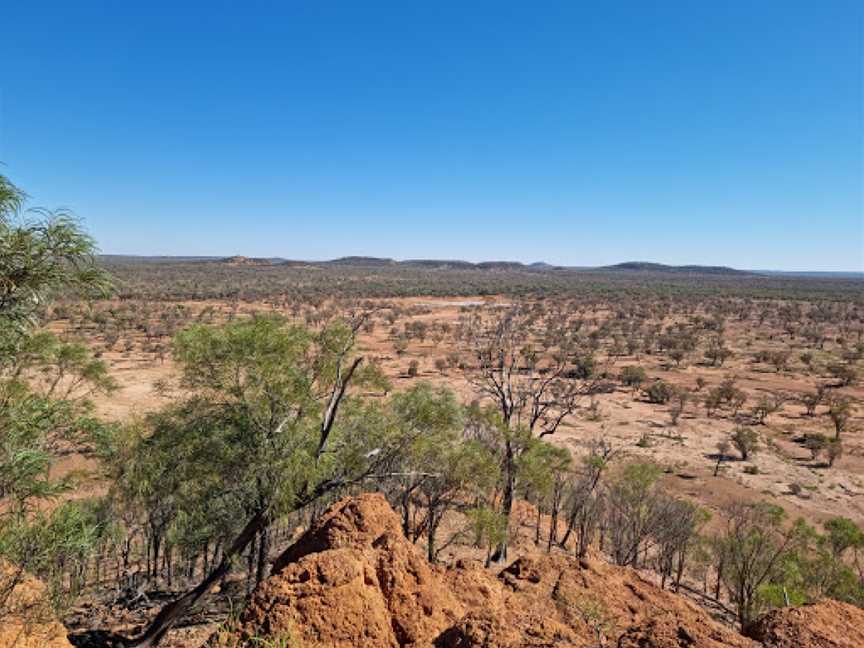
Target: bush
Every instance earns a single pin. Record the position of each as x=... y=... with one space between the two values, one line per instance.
x=633 y=376
x=815 y=443
x=834 y=451
x=583 y=366
x=847 y=374
x=746 y=441
x=659 y=392
x=413 y=367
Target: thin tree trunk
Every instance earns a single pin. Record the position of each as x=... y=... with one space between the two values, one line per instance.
x=500 y=553
x=172 y=612
x=537 y=527
x=250 y=565
x=263 y=551
x=553 y=525
x=431 y=532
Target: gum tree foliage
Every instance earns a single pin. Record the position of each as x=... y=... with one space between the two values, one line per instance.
x=633 y=512
x=432 y=418
x=270 y=427
x=745 y=440
x=753 y=549
x=675 y=534
x=544 y=472
x=465 y=471
x=827 y=569
x=44 y=383
x=440 y=468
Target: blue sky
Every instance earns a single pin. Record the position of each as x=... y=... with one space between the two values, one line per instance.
x=574 y=133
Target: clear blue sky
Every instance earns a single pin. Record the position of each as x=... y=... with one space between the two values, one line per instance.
x=725 y=132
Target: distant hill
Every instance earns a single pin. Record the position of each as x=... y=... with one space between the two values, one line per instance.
x=135 y=258
x=439 y=264
x=646 y=266
x=501 y=265
x=238 y=260
x=361 y=261
x=538 y=267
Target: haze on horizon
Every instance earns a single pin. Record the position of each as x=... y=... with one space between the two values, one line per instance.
x=687 y=133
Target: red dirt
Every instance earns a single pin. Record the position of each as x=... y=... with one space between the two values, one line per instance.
x=28 y=623
x=827 y=624
x=353 y=580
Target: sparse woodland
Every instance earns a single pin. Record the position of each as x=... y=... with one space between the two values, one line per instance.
x=279 y=389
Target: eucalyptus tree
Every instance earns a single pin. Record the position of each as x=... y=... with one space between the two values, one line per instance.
x=583 y=503
x=544 y=472
x=465 y=471
x=44 y=383
x=634 y=511
x=745 y=440
x=840 y=411
x=440 y=467
x=526 y=366
x=752 y=548
x=268 y=427
x=675 y=536
x=432 y=418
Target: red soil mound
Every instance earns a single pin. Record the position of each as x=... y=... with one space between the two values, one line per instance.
x=353 y=580
x=556 y=600
x=828 y=624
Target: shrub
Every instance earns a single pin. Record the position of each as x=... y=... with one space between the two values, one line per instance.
x=583 y=366
x=834 y=451
x=413 y=367
x=633 y=376
x=847 y=374
x=746 y=441
x=815 y=443
x=659 y=392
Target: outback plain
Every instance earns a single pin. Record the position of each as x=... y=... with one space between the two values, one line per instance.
x=668 y=393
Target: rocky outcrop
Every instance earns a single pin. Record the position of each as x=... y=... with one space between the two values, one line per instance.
x=354 y=580
x=564 y=602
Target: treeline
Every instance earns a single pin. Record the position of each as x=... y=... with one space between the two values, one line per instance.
x=196 y=280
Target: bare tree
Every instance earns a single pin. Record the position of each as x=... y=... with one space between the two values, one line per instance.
x=523 y=363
